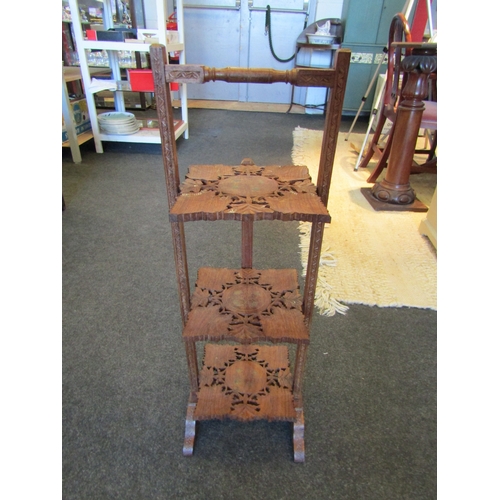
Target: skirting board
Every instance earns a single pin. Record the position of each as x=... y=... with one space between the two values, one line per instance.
x=264 y=107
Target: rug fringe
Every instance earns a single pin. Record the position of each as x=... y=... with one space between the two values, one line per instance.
x=324 y=299
x=385 y=283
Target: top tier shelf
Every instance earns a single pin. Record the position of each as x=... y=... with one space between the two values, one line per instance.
x=248 y=192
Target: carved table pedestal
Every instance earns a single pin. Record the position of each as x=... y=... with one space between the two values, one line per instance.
x=395 y=191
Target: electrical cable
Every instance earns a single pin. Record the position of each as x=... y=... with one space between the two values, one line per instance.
x=268 y=31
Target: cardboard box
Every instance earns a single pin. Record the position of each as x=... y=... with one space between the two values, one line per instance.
x=81 y=116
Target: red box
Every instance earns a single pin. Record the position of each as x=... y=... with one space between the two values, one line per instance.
x=91 y=35
x=141 y=80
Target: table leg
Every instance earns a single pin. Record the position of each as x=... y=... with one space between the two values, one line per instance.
x=395 y=191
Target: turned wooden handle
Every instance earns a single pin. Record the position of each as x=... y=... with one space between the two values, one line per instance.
x=301 y=77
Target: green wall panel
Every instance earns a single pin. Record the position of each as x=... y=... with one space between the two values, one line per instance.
x=366 y=31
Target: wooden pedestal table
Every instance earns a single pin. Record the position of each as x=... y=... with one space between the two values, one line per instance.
x=395 y=192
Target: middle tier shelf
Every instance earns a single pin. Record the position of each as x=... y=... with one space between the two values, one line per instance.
x=246 y=306
x=248 y=192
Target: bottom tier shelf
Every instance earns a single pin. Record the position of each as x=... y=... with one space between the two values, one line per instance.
x=246 y=382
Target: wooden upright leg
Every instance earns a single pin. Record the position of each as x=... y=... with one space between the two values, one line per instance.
x=191 y=355
x=190 y=432
x=246 y=243
x=192 y=360
x=299 y=453
x=317 y=230
x=181 y=268
x=298 y=424
x=298 y=376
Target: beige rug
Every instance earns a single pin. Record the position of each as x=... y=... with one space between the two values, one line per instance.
x=368 y=257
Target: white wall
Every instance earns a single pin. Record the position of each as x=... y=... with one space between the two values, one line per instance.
x=150 y=12
x=328 y=8
x=324 y=8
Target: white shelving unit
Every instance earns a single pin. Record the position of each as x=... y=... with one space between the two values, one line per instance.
x=118 y=85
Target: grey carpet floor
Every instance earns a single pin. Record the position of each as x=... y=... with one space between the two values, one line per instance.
x=370 y=385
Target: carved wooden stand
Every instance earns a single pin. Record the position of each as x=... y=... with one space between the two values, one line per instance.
x=246 y=379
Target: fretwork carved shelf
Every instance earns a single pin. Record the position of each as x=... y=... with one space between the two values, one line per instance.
x=216 y=192
x=248 y=382
x=246 y=305
x=235 y=311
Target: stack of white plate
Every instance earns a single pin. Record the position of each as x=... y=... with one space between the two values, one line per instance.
x=118 y=123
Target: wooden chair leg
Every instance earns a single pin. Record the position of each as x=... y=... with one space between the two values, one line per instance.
x=373 y=144
x=382 y=163
x=432 y=151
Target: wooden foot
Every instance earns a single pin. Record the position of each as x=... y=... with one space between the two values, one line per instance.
x=416 y=206
x=299 y=454
x=190 y=432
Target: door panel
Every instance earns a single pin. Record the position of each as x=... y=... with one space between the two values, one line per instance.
x=285 y=29
x=212 y=38
x=232 y=33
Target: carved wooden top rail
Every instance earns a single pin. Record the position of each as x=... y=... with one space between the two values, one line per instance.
x=300 y=77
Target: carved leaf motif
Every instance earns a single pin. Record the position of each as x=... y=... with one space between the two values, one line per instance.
x=292 y=300
x=191 y=186
x=200 y=298
x=214 y=402
x=287 y=173
x=207 y=320
x=280 y=378
x=210 y=172
x=207 y=378
x=248 y=169
x=196 y=203
x=246 y=332
x=304 y=187
x=215 y=279
x=248 y=208
x=249 y=353
x=246 y=408
x=277 y=403
x=247 y=275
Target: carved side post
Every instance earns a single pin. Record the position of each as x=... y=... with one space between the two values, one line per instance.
x=395 y=188
x=246 y=242
x=170 y=165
